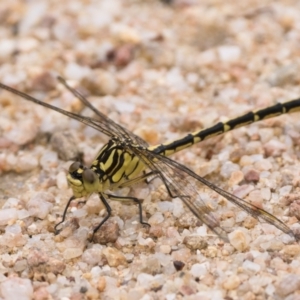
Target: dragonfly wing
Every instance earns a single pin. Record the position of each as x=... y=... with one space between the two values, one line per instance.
x=184 y=183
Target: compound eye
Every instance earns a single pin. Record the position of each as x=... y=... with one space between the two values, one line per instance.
x=89 y=176
x=74 y=167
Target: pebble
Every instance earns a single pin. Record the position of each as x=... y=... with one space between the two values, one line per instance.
x=289 y=284
x=49 y=159
x=8 y=46
x=156 y=218
x=108 y=233
x=195 y=242
x=101 y=82
x=274 y=148
x=239 y=239
x=15 y=288
x=66 y=146
x=229 y=53
x=294 y=209
x=252 y=176
x=179 y=265
x=151 y=265
x=231 y=282
x=200 y=270
x=75 y=71
x=71 y=253
x=26 y=162
x=101 y=284
x=243 y=190
x=61 y=181
x=183 y=255
x=93 y=256
x=291 y=250
x=228 y=168
x=114 y=257
x=236 y=177
x=22 y=135
x=166 y=249
x=8 y=215
x=156 y=231
x=40 y=205
x=251 y=266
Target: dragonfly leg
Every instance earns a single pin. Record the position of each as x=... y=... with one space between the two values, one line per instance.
x=64 y=215
x=108 y=209
x=136 y=200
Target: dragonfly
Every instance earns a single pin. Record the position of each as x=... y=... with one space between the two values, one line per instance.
x=127 y=159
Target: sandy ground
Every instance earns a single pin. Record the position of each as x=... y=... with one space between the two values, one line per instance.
x=161 y=69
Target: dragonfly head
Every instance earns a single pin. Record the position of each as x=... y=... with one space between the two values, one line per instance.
x=83 y=181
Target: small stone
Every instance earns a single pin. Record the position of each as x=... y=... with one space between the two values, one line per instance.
x=40 y=205
x=243 y=190
x=183 y=254
x=144 y=279
x=285 y=190
x=200 y=270
x=236 y=177
x=55 y=266
x=151 y=266
x=43 y=82
x=8 y=215
x=108 y=233
x=252 y=176
x=274 y=148
x=289 y=284
x=249 y=222
x=75 y=71
x=211 y=252
x=156 y=231
x=41 y=293
x=66 y=146
x=229 y=53
x=93 y=256
x=101 y=83
x=8 y=46
x=114 y=257
x=263 y=165
x=22 y=135
x=178 y=265
x=187 y=220
x=49 y=160
x=195 y=242
x=239 y=239
x=165 y=249
x=251 y=266
x=231 y=282
x=294 y=209
x=61 y=181
x=101 y=284
x=26 y=163
x=228 y=168
x=150 y=135
x=20 y=265
x=93 y=205
x=71 y=253
x=37 y=258
x=156 y=218
x=291 y=250
x=15 y=288
x=284 y=75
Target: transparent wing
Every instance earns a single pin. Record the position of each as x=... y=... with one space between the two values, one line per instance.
x=184 y=183
x=116 y=130
x=103 y=123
